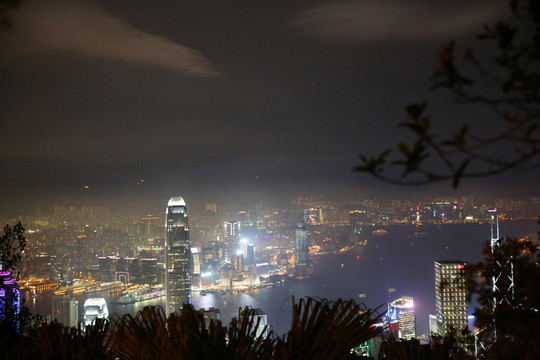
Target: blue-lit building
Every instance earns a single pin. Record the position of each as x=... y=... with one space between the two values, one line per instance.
x=177 y=256
x=10 y=298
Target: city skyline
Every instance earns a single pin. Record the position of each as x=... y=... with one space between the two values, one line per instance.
x=257 y=112
x=268 y=244
x=268 y=100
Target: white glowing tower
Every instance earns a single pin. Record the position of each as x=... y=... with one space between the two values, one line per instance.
x=177 y=256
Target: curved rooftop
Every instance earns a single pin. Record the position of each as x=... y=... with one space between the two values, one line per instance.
x=95 y=302
x=176 y=201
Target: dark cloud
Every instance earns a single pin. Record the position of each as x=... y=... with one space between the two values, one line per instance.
x=71 y=26
x=367 y=20
x=108 y=92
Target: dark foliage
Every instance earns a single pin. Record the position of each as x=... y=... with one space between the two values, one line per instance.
x=12 y=245
x=453 y=346
x=512 y=81
x=320 y=330
x=508 y=326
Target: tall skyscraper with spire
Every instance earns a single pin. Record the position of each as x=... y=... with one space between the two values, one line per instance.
x=177 y=255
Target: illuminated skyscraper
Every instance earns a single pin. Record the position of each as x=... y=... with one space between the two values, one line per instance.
x=356 y=219
x=196 y=261
x=302 y=245
x=177 y=256
x=231 y=230
x=402 y=312
x=231 y=235
x=10 y=298
x=450 y=296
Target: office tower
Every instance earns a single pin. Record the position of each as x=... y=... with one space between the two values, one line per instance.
x=212 y=314
x=302 y=245
x=177 y=256
x=65 y=310
x=149 y=271
x=260 y=321
x=237 y=262
x=356 y=219
x=231 y=236
x=450 y=301
x=250 y=255
x=231 y=232
x=196 y=261
x=107 y=266
x=402 y=312
x=10 y=298
x=433 y=327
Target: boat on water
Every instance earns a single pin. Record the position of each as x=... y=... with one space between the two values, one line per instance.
x=140 y=293
x=380 y=232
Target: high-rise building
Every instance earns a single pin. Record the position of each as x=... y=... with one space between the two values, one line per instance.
x=177 y=256
x=402 y=312
x=433 y=327
x=356 y=219
x=237 y=262
x=65 y=310
x=212 y=314
x=302 y=245
x=231 y=236
x=260 y=321
x=450 y=296
x=149 y=271
x=196 y=261
x=231 y=232
x=250 y=255
x=10 y=297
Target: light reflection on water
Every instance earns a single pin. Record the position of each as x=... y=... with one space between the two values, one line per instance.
x=387 y=268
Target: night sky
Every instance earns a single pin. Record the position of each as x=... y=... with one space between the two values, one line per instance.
x=217 y=100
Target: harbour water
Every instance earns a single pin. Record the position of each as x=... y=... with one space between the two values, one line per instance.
x=398 y=263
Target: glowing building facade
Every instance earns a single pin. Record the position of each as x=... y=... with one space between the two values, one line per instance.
x=177 y=256
x=302 y=245
x=231 y=232
x=231 y=235
x=401 y=311
x=10 y=298
x=450 y=296
x=95 y=308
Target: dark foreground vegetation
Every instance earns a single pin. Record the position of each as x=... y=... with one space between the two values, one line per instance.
x=320 y=329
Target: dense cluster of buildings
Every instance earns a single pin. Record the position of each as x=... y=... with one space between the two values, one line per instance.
x=223 y=249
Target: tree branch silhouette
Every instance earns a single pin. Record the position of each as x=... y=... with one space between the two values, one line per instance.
x=513 y=82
